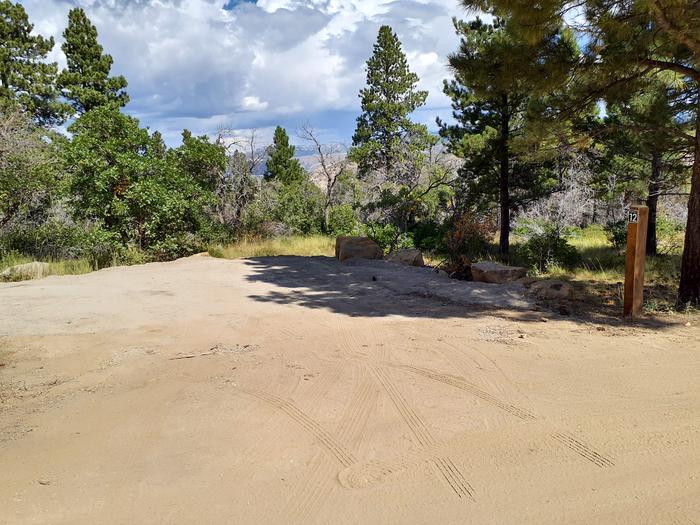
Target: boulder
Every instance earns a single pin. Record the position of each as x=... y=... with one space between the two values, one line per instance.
x=22 y=272
x=492 y=272
x=362 y=247
x=409 y=257
x=550 y=290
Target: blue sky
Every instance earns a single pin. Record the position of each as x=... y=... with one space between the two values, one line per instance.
x=240 y=64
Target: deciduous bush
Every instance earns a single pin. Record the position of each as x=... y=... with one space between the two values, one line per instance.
x=387 y=236
x=430 y=235
x=300 y=206
x=148 y=196
x=669 y=234
x=547 y=249
x=616 y=233
x=342 y=220
x=60 y=239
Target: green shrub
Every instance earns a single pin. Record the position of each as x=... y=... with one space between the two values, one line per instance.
x=404 y=240
x=616 y=233
x=299 y=206
x=101 y=248
x=669 y=235
x=549 y=249
x=175 y=246
x=430 y=235
x=216 y=251
x=385 y=235
x=59 y=240
x=341 y=220
x=122 y=176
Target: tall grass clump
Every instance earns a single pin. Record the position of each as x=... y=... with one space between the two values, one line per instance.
x=306 y=246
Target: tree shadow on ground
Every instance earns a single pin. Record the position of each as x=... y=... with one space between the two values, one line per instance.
x=379 y=289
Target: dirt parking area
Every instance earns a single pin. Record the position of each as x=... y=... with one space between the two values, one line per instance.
x=292 y=390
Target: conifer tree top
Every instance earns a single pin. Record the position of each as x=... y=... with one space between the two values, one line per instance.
x=282 y=165
x=26 y=79
x=391 y=95
x=86 y=82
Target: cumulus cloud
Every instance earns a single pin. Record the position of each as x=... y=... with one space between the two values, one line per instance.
x=210 y=64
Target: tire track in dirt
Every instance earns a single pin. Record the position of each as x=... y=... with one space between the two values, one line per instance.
x=375 y=472
x=465 y=360
x=566 y=439
x=457 y=353
x=472 y=389
x=454 y=477
x=315 y=489
x=583 y=450
x=354 y=335
x=311 y=493
x=353 y=422
x=335 y=448
x=409 y=416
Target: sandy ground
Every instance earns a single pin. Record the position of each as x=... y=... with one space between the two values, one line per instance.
x=295 y=390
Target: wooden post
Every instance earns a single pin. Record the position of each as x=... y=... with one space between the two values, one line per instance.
x=636 y=257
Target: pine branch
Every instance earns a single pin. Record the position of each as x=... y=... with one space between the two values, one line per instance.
x=671 y=66
x=673 y=30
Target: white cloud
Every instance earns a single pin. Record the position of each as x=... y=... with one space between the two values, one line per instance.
x=253 y=104
x=193 y=62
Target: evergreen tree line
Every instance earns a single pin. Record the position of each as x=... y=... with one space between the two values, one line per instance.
x=554 y=125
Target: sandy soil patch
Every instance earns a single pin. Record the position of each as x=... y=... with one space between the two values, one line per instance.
x=289 y=390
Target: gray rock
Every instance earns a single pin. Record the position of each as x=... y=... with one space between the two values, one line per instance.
x=441 y=273
x=360 y=247
x=23 y=272
x=409 y=257
x=495 y=273
x=550 y=289
x=526 y=281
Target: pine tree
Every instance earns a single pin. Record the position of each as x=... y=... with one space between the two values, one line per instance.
x=502 y=116
x=86 y=82
x=27 y=81
x=281 y=164
x=628 y=41
x=651 y=128
x=385 y=137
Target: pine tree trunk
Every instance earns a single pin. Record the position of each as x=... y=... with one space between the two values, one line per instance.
x=504 y=194
x=689 y=289
x=653 y=202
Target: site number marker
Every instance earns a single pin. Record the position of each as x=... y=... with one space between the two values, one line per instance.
x=637 y=224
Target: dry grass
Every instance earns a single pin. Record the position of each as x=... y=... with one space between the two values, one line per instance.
x=602 y=272
x=296 y=245
x=56 y=267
